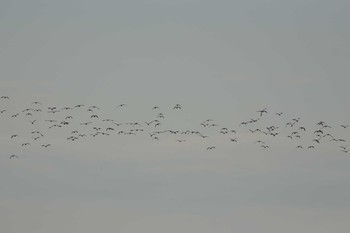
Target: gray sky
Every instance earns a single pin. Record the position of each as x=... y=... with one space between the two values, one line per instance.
x=219 y=59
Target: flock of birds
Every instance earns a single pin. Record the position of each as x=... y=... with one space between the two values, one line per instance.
x=50 y=117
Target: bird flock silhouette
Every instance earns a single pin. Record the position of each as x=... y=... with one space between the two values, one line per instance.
x=50 y=117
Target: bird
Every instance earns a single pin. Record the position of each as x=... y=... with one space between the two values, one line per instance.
x=296 y=119
x=121 y=105
x=13 y=136
x=290 y=124
x=344 y=126
x=78 y=106
x=279 y=113
x=177 y=106
x=254 y=120
x=259 y=141
x=85 y=123
x=13 y=156
x=211 y=147
x=233 y=139
x=107 y=120
x=316 y=140
x=262 y=111
x=51 y=120
x=5 y=97
x=321 y=123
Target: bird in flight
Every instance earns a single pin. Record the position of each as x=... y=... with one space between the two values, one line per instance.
x=13 y=156
x=121 y=105
x=85 y=123
x=262 y=111
x=177 y=106
x=78 y=106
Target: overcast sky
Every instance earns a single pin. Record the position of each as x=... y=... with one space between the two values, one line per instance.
x=221 y=59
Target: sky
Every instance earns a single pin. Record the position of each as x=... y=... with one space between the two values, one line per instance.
x=221 y=60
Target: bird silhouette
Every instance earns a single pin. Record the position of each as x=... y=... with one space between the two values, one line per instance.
x=13 y=156
x=121 y=105
x=262 y=111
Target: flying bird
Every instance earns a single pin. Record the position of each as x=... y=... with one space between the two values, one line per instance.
x=121 y=105
x=262 y=111
x=14 y=156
